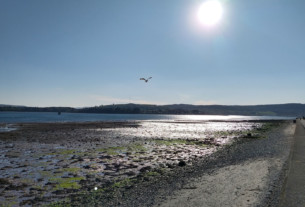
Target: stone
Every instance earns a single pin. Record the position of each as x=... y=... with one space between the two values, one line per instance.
x=10 y=146
x=130 y=173
x=182 y=163
x=169 y=165
x=146 y=168
x=86 y=167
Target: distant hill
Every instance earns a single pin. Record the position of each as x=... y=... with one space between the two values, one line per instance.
x=4 y=107
x=291 y=109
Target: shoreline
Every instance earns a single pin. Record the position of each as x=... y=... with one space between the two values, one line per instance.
x=69 y=160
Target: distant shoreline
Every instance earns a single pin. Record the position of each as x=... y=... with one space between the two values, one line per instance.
x=291 y=109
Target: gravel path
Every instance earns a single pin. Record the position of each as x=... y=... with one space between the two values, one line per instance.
x=293 y=194
x=251 y=175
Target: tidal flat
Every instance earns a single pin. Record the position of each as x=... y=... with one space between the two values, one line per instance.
x=111 y=163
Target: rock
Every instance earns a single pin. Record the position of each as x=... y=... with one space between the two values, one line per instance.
x=130 y=173
x=146 y=168
x=28 y=202
x=89 y=176
x=162 y=165
x=16 y=187
x=10 y=146
x=110 y=173
x=147 y=178
x=74 y=157
x=105 y=157
x=129 y=186
x=98 y=180
x=4 y=181
x=169 y=165
x=86 y=167
x=181 y=163
x=132 y=165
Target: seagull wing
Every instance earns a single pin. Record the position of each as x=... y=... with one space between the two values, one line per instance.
x=150 y=78
x=142 y=79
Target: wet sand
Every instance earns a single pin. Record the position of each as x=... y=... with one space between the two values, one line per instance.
x=120 y=163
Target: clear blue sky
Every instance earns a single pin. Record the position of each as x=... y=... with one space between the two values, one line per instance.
x=85 y=53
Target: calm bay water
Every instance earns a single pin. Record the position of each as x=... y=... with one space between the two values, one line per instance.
x=28 y=117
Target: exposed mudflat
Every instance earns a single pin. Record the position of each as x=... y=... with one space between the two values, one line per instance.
x=143 y=163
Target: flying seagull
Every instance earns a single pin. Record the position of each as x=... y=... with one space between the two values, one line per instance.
x=146 y=80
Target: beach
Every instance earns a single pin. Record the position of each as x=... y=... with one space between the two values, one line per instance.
x=144 y=163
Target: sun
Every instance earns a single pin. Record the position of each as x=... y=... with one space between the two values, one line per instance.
x=210 y=12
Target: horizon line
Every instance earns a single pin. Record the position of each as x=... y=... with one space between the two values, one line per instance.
x=78 y=107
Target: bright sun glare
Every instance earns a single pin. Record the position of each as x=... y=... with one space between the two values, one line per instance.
x=210 y=12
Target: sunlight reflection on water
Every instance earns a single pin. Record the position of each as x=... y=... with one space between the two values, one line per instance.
x=7 y=128
x=174 y=130
x=27 y=117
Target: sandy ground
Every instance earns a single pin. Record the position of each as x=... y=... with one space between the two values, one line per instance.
x=245 y=184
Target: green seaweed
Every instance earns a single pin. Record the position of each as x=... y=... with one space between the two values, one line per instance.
x=62 y=152
x=67 y=183
x=113 y=150
x=136 y=148
x=151 y=173
x=260 y=132
x=132 y=148
x=8 y=203
x=46 y=174
x=65 y=203
x=179 y=142
x=226 y=133
x=71 y=169
x=123 y=183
